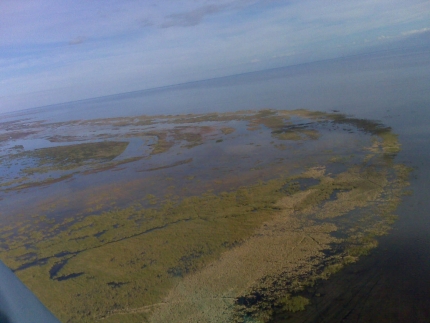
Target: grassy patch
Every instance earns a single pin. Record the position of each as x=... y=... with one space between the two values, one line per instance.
x=73 y=156
x=294 y=303
x=231 y=254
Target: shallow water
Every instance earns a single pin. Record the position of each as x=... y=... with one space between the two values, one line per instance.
x=392 y=284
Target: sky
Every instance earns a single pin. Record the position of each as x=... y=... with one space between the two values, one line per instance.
x=54 y=51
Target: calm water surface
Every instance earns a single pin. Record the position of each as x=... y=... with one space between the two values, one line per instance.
x=393 y=283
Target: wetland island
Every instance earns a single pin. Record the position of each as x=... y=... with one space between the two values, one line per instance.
x=219 y=217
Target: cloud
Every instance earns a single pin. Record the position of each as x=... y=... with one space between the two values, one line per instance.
x=191 y=18
x=77 y=40
x=129 y=45
x=415 y=31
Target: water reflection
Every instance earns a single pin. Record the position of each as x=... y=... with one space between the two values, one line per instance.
x=390 y=285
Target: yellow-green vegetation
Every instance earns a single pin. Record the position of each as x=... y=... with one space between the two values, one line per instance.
x=390 y=142
x=191 y=135
x=14 y=135
x=44 y=182
x=76 y=157
x=227 y=130
x=73 y=156
x=299 y=134
x=171 y=242
x=162 y=144
x=295 y=303
x=166 y=132
x=218 y=256
x=287 y=252
x=268 y=118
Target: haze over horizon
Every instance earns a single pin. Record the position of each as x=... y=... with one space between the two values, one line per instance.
x=56 y=51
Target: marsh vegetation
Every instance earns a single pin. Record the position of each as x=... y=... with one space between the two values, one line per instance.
x=195 y=218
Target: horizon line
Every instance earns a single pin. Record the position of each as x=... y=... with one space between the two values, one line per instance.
x=210 y=79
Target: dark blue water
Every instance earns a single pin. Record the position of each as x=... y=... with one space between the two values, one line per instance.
x=393 y=87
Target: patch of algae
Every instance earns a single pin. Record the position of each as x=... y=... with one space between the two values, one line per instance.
x=149 y=258
x=235 y=256
x=162 y=144
x=288 y=252
x=73 y=156
x=192 y=136
x=283 y=256
x=302 y=134
x=97 y=156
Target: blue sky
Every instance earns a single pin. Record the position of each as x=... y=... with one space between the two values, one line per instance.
x=54 y=51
